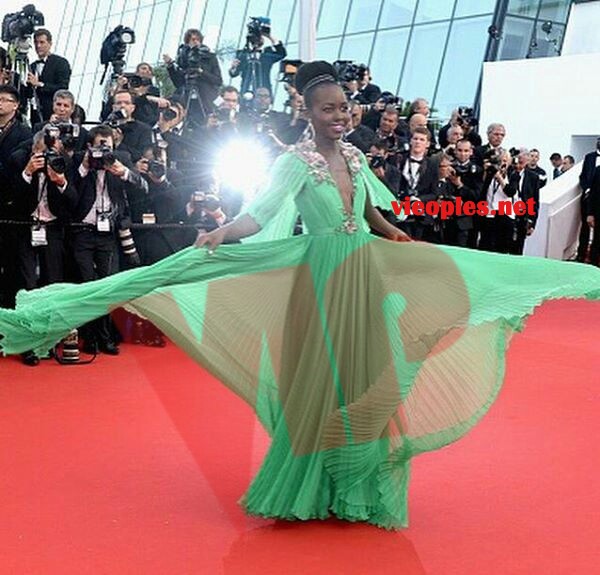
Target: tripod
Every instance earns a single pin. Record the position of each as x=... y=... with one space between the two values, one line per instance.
x=193 y=104
x=254 y=54
x=19 y=68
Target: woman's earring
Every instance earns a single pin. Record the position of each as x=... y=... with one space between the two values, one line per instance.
x=309 y=132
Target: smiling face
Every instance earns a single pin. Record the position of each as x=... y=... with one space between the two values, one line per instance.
x=329 y=111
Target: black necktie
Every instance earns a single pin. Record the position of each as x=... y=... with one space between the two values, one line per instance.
x=413 y=161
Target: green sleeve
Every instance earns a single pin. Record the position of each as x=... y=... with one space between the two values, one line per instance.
x=379 y=194
x=274 y=209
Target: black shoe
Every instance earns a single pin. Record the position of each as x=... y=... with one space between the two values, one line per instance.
x=109 y=348
x=29 y=358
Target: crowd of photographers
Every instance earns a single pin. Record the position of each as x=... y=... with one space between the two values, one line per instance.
x=81 y=200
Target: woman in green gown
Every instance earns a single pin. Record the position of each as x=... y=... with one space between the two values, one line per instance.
x=356 y=352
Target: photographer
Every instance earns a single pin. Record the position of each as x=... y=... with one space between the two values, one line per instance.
x=358 y=134
x=38 y=199
x=384 y=170
x=196 y=75
x=367 y=93
x=372 y=117
x=99 y=202
x=254 y=62
x=47 y=74
x=451 y=185
x=12 y=135
x=73 y=136
x=161 y=204
x=472 y=176
x=495 y=134
x=387 y=131
x=137 y=136
x=523 y=184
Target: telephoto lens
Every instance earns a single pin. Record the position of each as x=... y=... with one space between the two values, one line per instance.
x=71 y=348
x=128 y=247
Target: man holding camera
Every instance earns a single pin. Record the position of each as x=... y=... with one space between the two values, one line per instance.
x=162 y=203
x=254 y=61
x=384 y=170
x=358 y=134
x=47 y=74
x=137 y=136
x=73 y=136
x=12 y=134
x=451 y=185
x=495 y=134
x=99 y=203
x=196 y=75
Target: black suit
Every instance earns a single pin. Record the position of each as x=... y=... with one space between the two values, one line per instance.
x=419 y=227
x=207 y=84
x=12 y=137
x=25 y=200
x=509 y=241
x=95 y=252
x=586 y=178
x=55 y=76
x=362 y=137
x=593 y=205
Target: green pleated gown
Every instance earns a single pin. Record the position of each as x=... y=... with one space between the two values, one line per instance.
x=357 y=353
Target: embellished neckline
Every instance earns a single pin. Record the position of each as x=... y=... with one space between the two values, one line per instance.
x=319 y=169
x=318 y=165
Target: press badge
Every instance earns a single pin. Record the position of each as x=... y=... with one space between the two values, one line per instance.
x=148 y=219
x=38 y=236
x=103 y=223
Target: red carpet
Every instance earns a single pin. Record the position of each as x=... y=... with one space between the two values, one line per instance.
x=132 y=465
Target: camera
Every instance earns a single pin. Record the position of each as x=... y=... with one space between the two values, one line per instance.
x=257 y=28
x=135 y=81
x=100 y=157
x=189 y=59
x=348 y=71
x=116 y=118
x=466 y=117
x=156 y=168
x=21 y=25
x=169 y=114
x=127 y=243
x=377 y=161
x=55 y=161
x=66 y=132
x=288 y=70
x=114 y=47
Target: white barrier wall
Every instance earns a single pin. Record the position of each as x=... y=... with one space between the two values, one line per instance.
x=557 y=229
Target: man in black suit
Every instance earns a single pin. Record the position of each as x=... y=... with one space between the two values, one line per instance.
x=588 y=171
x=523 y=184
x=137 y=136
x=495 y=134
x=99 y=202
x=203 y=81
x=47 y=75
x=358 y=134
x=593 y=217
x=419 y=177
x=12 y=135
x=63 y=106
x=37 y=198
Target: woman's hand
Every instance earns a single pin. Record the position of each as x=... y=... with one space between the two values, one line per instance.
x=398 y=236
x=212 y=239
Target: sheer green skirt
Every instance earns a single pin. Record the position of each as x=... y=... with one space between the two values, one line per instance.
x=356 y=353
